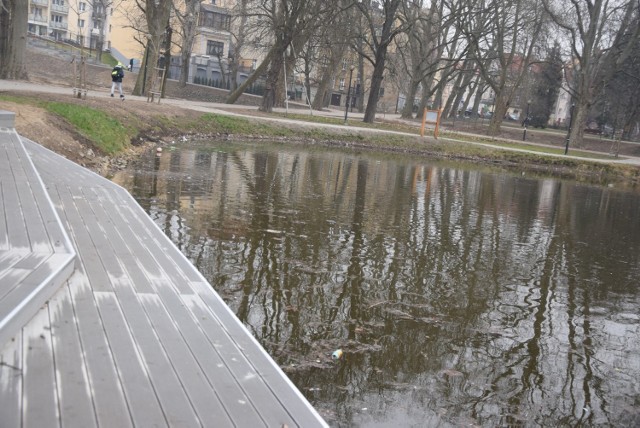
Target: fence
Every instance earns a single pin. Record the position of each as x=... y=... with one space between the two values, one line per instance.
x=253 y=89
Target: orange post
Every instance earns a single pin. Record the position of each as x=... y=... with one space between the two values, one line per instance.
x=434 y=119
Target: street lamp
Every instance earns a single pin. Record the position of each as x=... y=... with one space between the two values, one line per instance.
x=566 y=148
x=346 y=107
x=526 y=121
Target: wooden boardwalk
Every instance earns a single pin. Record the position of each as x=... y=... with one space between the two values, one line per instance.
x=134 y=336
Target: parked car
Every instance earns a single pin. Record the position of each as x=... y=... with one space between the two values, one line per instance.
x=511 y=116
x=488 y=114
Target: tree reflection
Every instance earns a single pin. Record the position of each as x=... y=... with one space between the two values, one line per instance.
x=469 y=297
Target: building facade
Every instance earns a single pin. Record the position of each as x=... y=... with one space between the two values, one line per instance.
x=85 y=23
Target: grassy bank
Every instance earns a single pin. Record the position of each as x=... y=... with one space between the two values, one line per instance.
x=112 y=127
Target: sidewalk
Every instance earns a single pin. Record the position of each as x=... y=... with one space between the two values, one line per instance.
x=354 y=117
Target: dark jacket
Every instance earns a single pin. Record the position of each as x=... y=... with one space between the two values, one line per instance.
x=117 y=73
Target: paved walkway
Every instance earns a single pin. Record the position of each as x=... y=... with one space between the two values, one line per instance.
x=354 y=117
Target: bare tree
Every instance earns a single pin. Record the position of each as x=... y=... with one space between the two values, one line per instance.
x=330 y=45
x=502 y=38
x=239 y=34
x=598 y=32
x=284 y=24
x=13 y=39
x=186 y=14
x=157 y=14
x=384 y=24
x=416 y=52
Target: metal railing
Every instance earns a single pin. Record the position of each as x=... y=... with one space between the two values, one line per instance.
x=37 y=18
x=40 y=2
x=59 y=25
x=64 y=9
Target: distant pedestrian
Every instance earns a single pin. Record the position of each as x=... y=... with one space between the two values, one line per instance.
x=116 y=79
x=131 y=64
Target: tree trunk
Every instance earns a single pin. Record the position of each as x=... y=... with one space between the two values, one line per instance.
x=500 y=109
x=578 y=122
x=427 y=91
x=407 y=110
x=271 y=85
x=360 y=99
x=233 y=96
x=376 y=84
x=13 y=39
x=323 y=89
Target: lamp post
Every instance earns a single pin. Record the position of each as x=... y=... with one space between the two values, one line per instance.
x=566 y=148
x=346 y=107
x=526 y=121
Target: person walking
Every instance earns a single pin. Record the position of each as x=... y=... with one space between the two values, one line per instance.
x=116 y=79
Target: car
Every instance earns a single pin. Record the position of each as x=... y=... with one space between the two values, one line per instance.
x=488 y=114
x=511 y=116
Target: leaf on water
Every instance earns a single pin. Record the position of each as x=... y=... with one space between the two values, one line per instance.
x=451 y=373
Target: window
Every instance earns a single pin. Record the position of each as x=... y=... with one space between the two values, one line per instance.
x=344 y=64
x=81 y=23
x=214 y=20
x=215 y=48
x=56 y=18
x=82 y=7
x=342 y=84
x=58 y=2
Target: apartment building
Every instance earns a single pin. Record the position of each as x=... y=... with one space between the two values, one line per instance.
x=85 y=23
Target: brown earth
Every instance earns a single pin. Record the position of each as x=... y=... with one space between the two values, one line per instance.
x=54 y=133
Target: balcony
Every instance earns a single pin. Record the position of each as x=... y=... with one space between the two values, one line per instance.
x=40 y=2
x=33 y=18
x=62 y=9
x=58 y=25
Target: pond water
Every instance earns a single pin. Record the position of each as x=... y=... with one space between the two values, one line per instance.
x=458 y=296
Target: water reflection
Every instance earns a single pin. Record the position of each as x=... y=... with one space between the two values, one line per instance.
x=458 y=296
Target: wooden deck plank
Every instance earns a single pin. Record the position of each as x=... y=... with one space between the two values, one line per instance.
x=175 y=404
x=23 y=169
x=134 y=260
x=12 y=276
x=40 y=404
x=170 y=388
x=58 y=238
x=215 y=311
x=110 y=404
x=89 y=253
x=72 y=379
x=225 y=386
x=38 y=235
x=32 y=290
x=4 y=233
x=8 y=260
x=108 y=395
x=183 y=272
x=16 y=227
x=205 y=400
x=141 y=397
x=11 y=382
